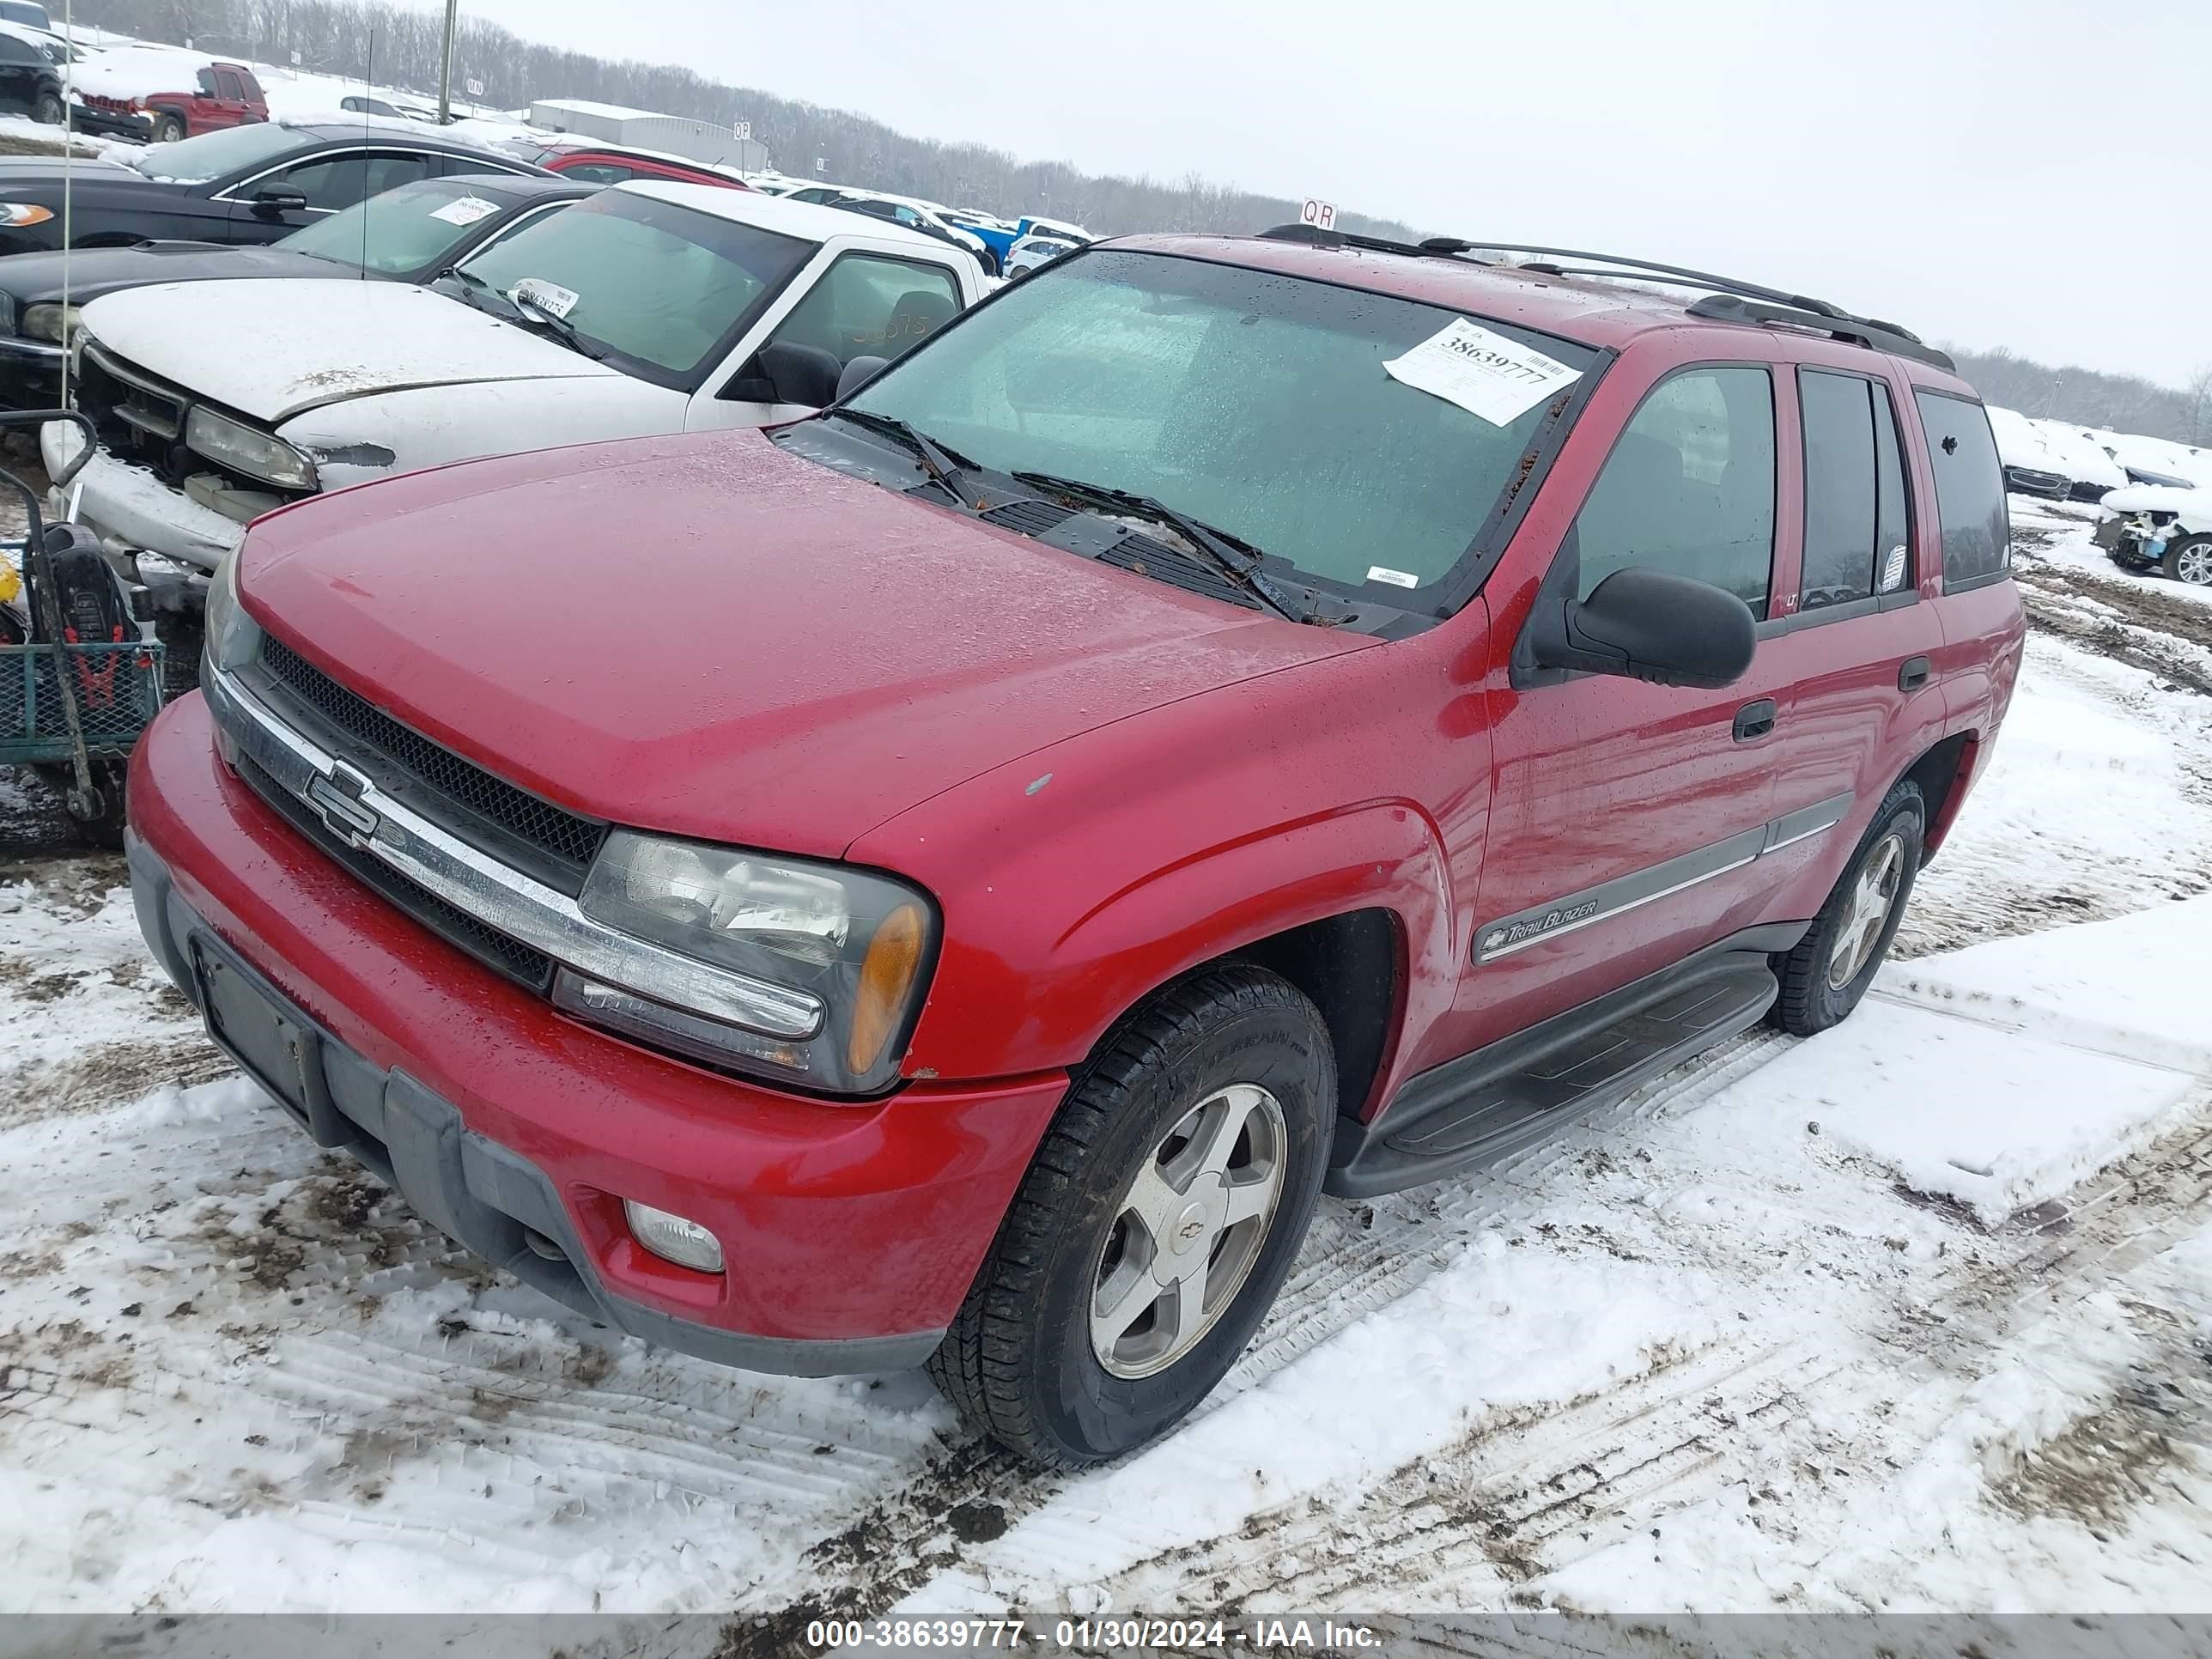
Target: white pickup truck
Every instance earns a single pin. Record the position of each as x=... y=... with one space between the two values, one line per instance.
x=647 y=308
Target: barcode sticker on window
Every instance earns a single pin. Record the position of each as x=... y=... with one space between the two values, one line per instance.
x=1377 y=573
x=465 y=211
x=1481 y=371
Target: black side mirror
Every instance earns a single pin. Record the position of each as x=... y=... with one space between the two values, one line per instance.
x=1647 y=625
x=786 y=372
x=274 y=201
x=858 y=373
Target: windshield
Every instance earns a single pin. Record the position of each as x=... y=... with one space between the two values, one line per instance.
x=212 y=155
x=411 y=229
x=1255 y=402
x=662 y=287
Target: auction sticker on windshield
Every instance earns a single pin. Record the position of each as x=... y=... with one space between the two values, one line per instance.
x=466 y=211
x=1481 y=371
x=548 y=297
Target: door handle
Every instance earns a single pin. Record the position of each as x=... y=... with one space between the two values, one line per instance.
x=1913 y=674
x=1754 y=719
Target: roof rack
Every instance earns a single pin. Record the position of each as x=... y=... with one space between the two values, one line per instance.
x=1727 y=299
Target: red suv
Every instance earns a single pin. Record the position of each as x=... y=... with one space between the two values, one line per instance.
x=593 y=163
x=223 y=96
x=955 y=879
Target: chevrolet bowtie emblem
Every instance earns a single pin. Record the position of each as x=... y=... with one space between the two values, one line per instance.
x=336 y=797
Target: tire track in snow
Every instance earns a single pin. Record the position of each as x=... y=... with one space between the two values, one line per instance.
x=1511 y=1501
x=1358 y=1259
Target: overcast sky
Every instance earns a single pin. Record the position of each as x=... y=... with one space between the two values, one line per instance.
x=1991 y=172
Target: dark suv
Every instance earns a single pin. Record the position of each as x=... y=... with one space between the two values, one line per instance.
x=1225 y=719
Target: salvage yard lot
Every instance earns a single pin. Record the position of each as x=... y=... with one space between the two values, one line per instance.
x=1910 y=1314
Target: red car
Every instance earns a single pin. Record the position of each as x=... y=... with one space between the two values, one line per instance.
x=594 y=163
x=223 y=96
x=954 y=879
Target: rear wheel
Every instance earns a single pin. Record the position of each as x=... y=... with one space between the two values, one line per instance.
x=1156 y=1224
x=48 y=112
x=168 y=128
x=1823 y=979
x=2190 y=561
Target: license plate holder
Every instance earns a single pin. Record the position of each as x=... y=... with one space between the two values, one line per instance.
x=276 y=1051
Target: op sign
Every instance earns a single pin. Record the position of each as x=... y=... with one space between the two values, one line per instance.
x=1322 y=215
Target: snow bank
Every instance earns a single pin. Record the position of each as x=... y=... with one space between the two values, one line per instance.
x=2001 y=1075
x=2132 y=987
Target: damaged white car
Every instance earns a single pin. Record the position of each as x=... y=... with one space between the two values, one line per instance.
x=2160 y=527
x=649 y=308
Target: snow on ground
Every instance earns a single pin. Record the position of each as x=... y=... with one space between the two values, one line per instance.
x=1908 y=1315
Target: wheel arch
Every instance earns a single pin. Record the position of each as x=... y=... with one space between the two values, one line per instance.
x=1941 y=774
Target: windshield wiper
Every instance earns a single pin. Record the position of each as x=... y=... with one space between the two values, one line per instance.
x=509 y=310
x=472 y=287
x=1232 y=556
x=559 y=327
x=943 y=466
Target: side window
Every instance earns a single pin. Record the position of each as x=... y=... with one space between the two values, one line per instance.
x=342 y=180
x=228 y=85
x=869 y=306
x=1855 y=543
x=1970 y=499
x=204 y=81
x=13 y=51
x=1690 y=486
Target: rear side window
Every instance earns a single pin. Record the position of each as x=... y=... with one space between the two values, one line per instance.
x=866 y=305
x=1690 y=486
x=1970 y=497
x=1856 y=540
x=228 y=85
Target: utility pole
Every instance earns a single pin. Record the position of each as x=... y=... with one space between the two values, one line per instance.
x=446 y=66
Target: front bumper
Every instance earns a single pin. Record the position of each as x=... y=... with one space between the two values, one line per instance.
x=133 y=510
x=30 y=373
x=111 y=123
x=852 y=1232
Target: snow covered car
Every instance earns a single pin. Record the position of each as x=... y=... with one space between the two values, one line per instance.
x=650 y=308
x=2153 y=526
x=409 y=235
x=1035 y=251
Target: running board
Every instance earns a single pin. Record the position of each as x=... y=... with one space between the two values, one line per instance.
x=1473 y=1110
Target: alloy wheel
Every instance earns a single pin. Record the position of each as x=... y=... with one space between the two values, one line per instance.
x=1874 y=895
x=1188 y=1229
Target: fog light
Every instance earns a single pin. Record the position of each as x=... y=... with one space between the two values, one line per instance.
x=672 y=1238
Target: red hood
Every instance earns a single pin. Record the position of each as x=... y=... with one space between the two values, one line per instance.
x=707 y=636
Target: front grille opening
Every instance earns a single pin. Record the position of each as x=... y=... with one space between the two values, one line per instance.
x=564 y=839
x=509 y=956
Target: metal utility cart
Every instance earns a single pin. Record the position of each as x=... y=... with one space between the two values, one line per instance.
x=79 y=668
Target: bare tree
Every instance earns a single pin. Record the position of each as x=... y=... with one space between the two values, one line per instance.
x=2198 y=392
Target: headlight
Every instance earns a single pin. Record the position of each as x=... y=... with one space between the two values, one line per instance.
x=52 y=323
x=249 y=450
x=231 y=637
x=859 y=943
x=16 y=215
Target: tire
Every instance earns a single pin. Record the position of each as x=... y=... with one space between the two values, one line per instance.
x=2190 y=560
x=1024 y=1361
x=104 y=829
x=49 y=112
x=1812 y=997
x=168 y=128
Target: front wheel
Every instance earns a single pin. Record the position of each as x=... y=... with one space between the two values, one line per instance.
x=2190 y=561
x=168 y=128
x=1823 y=979
x=1156 y=1224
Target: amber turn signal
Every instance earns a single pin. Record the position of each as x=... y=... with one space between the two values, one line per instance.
x=886 y=976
